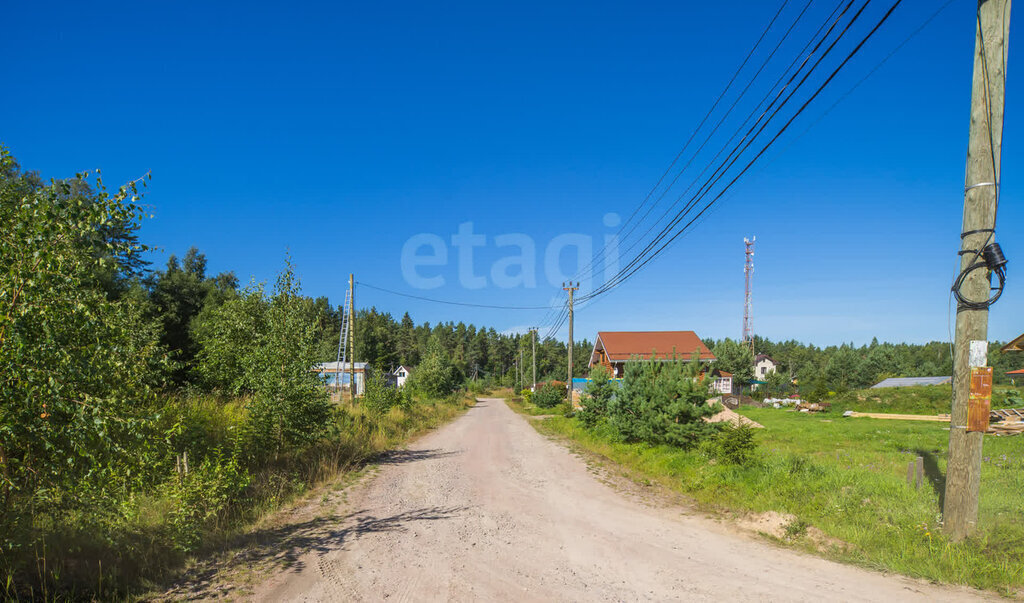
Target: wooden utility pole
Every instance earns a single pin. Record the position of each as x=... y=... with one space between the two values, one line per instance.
x=533 y=336
x=352 y=334
x=571 y=289
x=981 y=191
x=522 y=369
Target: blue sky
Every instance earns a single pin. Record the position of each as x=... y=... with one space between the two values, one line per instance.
x=338 y=131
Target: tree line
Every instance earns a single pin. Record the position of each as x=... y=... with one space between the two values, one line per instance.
x=181 y=299
x=838 y=368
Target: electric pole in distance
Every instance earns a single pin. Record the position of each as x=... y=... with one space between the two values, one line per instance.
x=973 y=287
x=748 y=306
x=533 y=336
x=571 y=289
x=522 y=369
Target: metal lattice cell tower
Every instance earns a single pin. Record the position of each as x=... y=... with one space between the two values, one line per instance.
x=748 y=307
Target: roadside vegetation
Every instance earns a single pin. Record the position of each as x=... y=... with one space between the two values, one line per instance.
x=840 y=482
x=549 y=398
x=148 y=415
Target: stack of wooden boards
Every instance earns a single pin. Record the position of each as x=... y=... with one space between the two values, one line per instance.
x=1007 y=421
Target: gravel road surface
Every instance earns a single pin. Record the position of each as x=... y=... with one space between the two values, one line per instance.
x=488 y=509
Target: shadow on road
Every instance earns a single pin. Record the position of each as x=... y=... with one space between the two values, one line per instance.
x=264 y=551
x=400 y=457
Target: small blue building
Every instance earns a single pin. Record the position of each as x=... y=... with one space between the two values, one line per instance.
x=337 y=375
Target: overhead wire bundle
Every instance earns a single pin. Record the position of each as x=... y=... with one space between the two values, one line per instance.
x=989 y=255
x=794 y=73
x=797 y=56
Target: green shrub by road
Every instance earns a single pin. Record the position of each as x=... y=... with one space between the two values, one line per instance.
x=847 y=478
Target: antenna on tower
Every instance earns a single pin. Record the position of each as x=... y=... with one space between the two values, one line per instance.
x=748 y=307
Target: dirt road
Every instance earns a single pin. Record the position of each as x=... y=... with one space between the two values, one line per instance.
x=488 y=509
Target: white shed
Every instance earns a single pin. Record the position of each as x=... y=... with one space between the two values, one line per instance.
x=400 y=374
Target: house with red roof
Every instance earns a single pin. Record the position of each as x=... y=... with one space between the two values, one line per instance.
x=613 y=349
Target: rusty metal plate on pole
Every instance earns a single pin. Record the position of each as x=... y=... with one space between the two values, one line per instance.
x=979 y=405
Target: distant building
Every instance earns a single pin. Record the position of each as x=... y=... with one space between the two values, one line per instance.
x=613 y=349
x=337 y=374
x=764 y=365
x=723 y=381
x=400 y=375
x=1017 y=345
x=912 y=382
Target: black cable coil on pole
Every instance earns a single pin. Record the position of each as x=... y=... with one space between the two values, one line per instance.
x=992 y=258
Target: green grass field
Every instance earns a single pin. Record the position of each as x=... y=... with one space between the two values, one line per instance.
x=921 y=400
x=847 y=478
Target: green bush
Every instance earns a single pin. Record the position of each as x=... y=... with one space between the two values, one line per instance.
x=477 y=387
x=1013 y=398
x=436 y=376
x=265 y=346
x=596 y=396
x=379 y=396
x=548 y=396
x=661 y=403
x=202 y=495
x=79 y=368
x=819 y=393
x=735 y=444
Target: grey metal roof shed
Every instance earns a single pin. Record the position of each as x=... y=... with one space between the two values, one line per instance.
x=912 y=381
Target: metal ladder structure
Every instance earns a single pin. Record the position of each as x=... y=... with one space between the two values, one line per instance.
x=343 y=343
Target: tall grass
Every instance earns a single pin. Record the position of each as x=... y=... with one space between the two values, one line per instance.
x=99 y=557
x=847 y=479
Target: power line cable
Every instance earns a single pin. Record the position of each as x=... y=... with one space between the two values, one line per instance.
x=753 y=111
x=860 y=82
x=625 y=274
x=453 y=303
x=700 y=125
x=646 y=256
x=629 y=271
x=738 y=150
x=562 y=316
x=716 y=127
